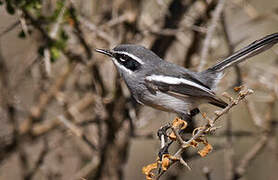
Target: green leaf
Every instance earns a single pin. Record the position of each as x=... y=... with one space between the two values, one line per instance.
x=54 y=54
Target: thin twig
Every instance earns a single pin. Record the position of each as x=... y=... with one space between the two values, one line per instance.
x=206 y=128
x=92 y=27
x=39 y=162
x=10 y=28
x=79 y=33
x=229 y=151
x=249 y=156
x=230 y=49
x=215 y=18
x=47 y=63
x=88 y=168
x=55 y=28
x=44 y=99
x=207 y=173
x=247 y=7
x=23 y=23
x=77 y=131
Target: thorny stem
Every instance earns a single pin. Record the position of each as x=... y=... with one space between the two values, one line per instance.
x=242 y=94
x=205 y=129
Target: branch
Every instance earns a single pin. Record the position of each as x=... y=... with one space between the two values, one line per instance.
x=172 y=19
x=207 y=173
x=198 y=136
x=10 y=28
x=215 y=18
x=249 y=156
x=76 y=131
x=231 y=49
x=39 y=162
x=44 y=99
x=229 y=151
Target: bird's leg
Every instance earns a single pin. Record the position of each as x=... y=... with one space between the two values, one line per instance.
x=162 y=133
x=162 y=151
x=189 y=116
x=163 y=137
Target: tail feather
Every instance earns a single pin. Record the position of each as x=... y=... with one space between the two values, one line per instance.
x=218 y=102
x=249 y=51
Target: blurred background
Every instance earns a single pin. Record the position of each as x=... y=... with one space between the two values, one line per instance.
x=66 y=114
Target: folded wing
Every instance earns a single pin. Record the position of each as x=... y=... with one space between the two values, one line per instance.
x=183 y=88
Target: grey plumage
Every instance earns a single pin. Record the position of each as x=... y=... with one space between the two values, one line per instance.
x=169 y=87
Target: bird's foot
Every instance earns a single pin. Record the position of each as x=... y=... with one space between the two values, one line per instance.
x=164 y=150
x=163 y=137
x=162 y=133
x=177 y=124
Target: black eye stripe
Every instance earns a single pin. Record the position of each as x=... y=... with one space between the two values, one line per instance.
x=127 y=61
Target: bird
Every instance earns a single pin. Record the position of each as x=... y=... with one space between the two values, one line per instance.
x=169 y=87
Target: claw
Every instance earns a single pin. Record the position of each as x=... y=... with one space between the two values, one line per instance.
x=162 y=152
x=163 y=131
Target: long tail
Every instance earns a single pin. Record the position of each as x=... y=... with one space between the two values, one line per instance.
x=212 y=75
x=249 y=51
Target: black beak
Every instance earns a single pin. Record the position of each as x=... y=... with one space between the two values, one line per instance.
x=104 y=51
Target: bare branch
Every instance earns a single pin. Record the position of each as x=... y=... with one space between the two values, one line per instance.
x=199 y=133
x=249 y=156
x=215 y=19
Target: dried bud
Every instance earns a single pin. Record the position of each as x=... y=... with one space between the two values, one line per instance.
x=147 y=170
x=172 y=136
x=194 y=143
x=238 y=88
x=179 y=123
x=165 y=162
x=207 y=149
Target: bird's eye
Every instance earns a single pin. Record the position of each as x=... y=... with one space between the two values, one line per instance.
x=127 y=61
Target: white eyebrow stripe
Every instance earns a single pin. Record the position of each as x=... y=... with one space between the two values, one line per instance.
x=175 y=80
x=130 y=55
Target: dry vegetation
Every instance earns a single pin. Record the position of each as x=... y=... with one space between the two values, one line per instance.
x=66 y=114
